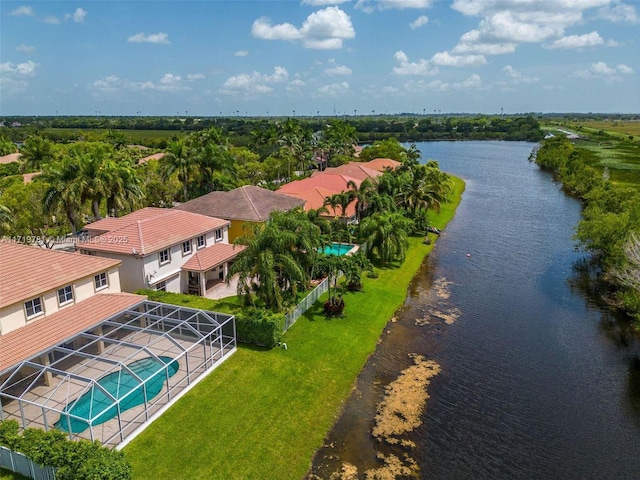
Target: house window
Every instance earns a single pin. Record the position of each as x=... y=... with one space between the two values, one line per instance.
x=33 y=307
x=218 y=234
x=164 y=256
x=161 y=286
x=100 y=281
x=65 y=295
x=201 y=241
x=186 y=247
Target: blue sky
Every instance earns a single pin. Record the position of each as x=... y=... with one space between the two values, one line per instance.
x=360 y=56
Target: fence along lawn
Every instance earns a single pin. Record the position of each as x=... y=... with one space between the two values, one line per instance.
x=264 y=413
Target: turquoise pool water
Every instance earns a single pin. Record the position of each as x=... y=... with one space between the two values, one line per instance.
x=338 y=248
x=118 y=384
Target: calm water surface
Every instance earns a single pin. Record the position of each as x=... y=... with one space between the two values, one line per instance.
x=537 y=381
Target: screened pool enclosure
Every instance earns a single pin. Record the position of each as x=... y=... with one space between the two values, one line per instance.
x=108 y=381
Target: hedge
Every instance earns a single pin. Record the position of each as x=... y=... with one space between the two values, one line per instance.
x=73 y=460
x=260 y=327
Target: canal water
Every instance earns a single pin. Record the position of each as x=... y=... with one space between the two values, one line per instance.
x=537 y=379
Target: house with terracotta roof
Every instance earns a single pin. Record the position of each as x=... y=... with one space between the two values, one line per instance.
x=242 y=206
x=164 y=249
x=37 y=283
x=74 y=349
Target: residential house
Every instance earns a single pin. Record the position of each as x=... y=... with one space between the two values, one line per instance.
x=164 y=249
x=242 y=206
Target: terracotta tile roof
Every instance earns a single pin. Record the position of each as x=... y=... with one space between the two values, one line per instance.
x=12 y=157
x=380 y=164
x=207 y=258
x=353 y=170
x=26 y=271
x=160 y=229
x=155 y=156
x=333 y=183
x=248 y=203
x=356 y=150
x=27 y=177
x=314 y=199
x=108 y=224
x=46 y=332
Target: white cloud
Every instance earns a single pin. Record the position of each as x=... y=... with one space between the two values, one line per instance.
x=369 y=6
x=113 y=84
x=622 y=68
x=142 y=37
x=241 y=53
x=79 y=15
x=295 y=86
x=322 y=30
x=334 y=89
x=23 y=70
x=109 y=84
x=447 y=60
x=419 y=22
x=51 y=20
x=338 y=70
x=22 y=11
x=25 y=48
x=612 y=43
x=517 y=77
x=602 y=70
x=195 y=76
x=470 y=42
x=578 y=41
x=472 y=82
x=171 y=83
x=421 y=67
x=323 y=3
x=618 y=13
x=253 y=84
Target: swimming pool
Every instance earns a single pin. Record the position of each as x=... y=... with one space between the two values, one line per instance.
x=119 y=384
x=338 y=248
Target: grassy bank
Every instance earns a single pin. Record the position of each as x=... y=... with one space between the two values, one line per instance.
x=263 y=414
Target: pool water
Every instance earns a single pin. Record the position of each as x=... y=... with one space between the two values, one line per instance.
x=338 y=248
x=96 y=407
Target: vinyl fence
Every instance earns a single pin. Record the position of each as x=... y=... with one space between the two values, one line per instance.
x=291 y=317
x=19 y=463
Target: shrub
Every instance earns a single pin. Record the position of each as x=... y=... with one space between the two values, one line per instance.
x=73 y=460
x=260 y=327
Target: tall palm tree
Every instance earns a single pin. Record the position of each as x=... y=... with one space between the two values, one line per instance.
x=386 y=234
x=65 y=189
x=179 y=159
x=35 y=153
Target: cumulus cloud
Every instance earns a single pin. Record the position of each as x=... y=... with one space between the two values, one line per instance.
x=22 y=11
x=338 y=70
x=471 y=43
x=369 y=6
x=419 y=22
x=517 y=77
x=618 y=13
x=447 y=60
x=421 y=67
x=109 y=84
x=474 y=81
x=295 y=86
x=602 y=70
x=25 y=48
x=22 y=70
x=195 y=76
x=253 y=84
x=322 y=30
x=334 y=89
x=112 y=84
x=142 y=37
x=241 y=53
x=578 y=41
x=79 y=15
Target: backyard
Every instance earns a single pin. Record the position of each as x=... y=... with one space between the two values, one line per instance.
x=264 y=413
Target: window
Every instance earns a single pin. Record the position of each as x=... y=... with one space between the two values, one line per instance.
x=33 y=307
x=201 y=241
x=65 y=295
x=219 y=234
x=100 y=281
x=186 y=247
x=164 y=256
x=161 y=286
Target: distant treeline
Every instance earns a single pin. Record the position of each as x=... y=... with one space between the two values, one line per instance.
x=239 y=129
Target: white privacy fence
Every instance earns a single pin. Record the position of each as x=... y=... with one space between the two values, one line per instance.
x=19 y=463
x=291 y=317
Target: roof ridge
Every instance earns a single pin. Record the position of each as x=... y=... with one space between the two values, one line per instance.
x=255 y=210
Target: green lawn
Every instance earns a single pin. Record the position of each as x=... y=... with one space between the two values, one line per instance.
x=264 y=413
x=9 y=475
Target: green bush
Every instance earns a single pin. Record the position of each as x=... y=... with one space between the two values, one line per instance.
x=73 y=460
x=260 y=327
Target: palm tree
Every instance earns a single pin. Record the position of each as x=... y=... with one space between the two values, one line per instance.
x=6 y=220
x=386 y=234
x=363 y=195
x=35 y=153
x=342 y=200
x=124 y=191
x=179 y=159
x=213 y=159
x=65 y=189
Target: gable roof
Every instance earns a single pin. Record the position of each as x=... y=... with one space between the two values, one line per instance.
x=381 y=164
x=27 y=272
x=41 y=334
x=248 y=203
x=314 y=199
x=353 y=170
x=334 y=183
x=148 y=230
